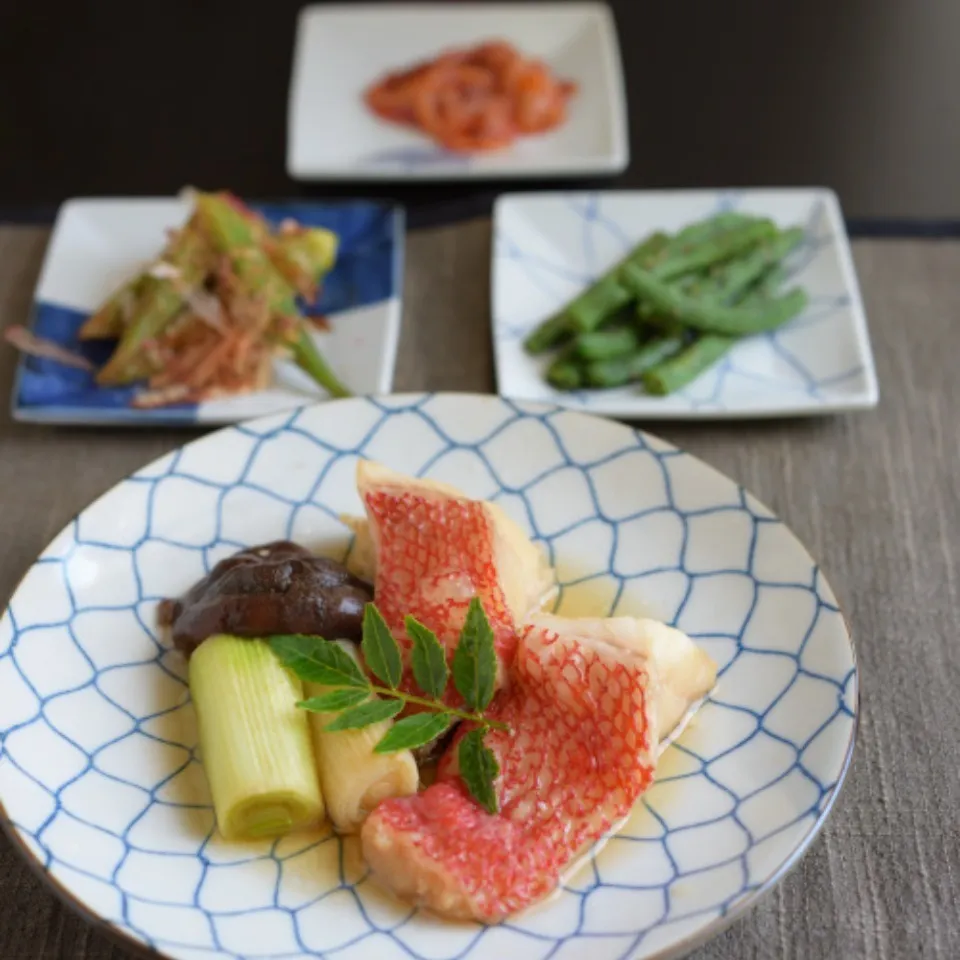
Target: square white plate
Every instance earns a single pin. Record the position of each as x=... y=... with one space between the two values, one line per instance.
x=98 y=243
x=548 y=247
x=342 y=49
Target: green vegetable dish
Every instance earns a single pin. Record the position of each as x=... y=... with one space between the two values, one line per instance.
x=221 y=301
x=673 y=307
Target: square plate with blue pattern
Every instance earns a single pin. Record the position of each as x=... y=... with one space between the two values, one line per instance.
x=548 y=247
x=98 y=243
x=101 y=784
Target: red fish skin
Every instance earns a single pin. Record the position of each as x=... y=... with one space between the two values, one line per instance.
x=580 y=750
x=434 y=554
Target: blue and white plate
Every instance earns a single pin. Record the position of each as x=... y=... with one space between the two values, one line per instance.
x=99 y=778
x=97 y=244
x=548 y=247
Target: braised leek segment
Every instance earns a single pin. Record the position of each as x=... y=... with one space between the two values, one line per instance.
x=255 y=742
x=355 y=778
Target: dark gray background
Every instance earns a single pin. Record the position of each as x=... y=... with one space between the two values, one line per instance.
x=113 y=97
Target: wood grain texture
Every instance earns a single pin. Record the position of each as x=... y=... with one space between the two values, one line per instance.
x=875 y=496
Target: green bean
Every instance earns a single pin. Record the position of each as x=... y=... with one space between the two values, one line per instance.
x=697 y=244
x=730 y=282
x=565 y=373
x=691 y=284
x=749 y=283
x=715 y=249
x=624 y=319
x=716 y=277
x=551 y=333
x=588 y=311
x=603 y=344
x=711 y=317
x=617 y=371
x=678 y=251
x=686 y=365
x=602 y=300
x=763 y=289
x=608 y=295
x=654 y=324
x=740 y=276
x=725 y=278
x=595 y=304
x=702 y=230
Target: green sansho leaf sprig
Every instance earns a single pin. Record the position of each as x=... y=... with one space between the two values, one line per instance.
x=350 y=692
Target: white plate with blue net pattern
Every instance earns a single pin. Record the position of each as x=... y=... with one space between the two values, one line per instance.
x=99 y=778
x=548 y=247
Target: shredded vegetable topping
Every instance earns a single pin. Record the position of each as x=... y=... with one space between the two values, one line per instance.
x=29 y=343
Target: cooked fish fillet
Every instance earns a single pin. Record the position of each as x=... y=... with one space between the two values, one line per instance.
x=435 y=549
x=686 y=673
x=580 y=750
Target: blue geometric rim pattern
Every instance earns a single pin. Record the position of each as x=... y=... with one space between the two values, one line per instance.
x=368 y=270
x=797 y=364
x=655 y=872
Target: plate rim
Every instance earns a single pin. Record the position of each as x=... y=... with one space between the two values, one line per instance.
x=645 y=408
x=613 y=162
x=128 y=418
x=397 y=404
